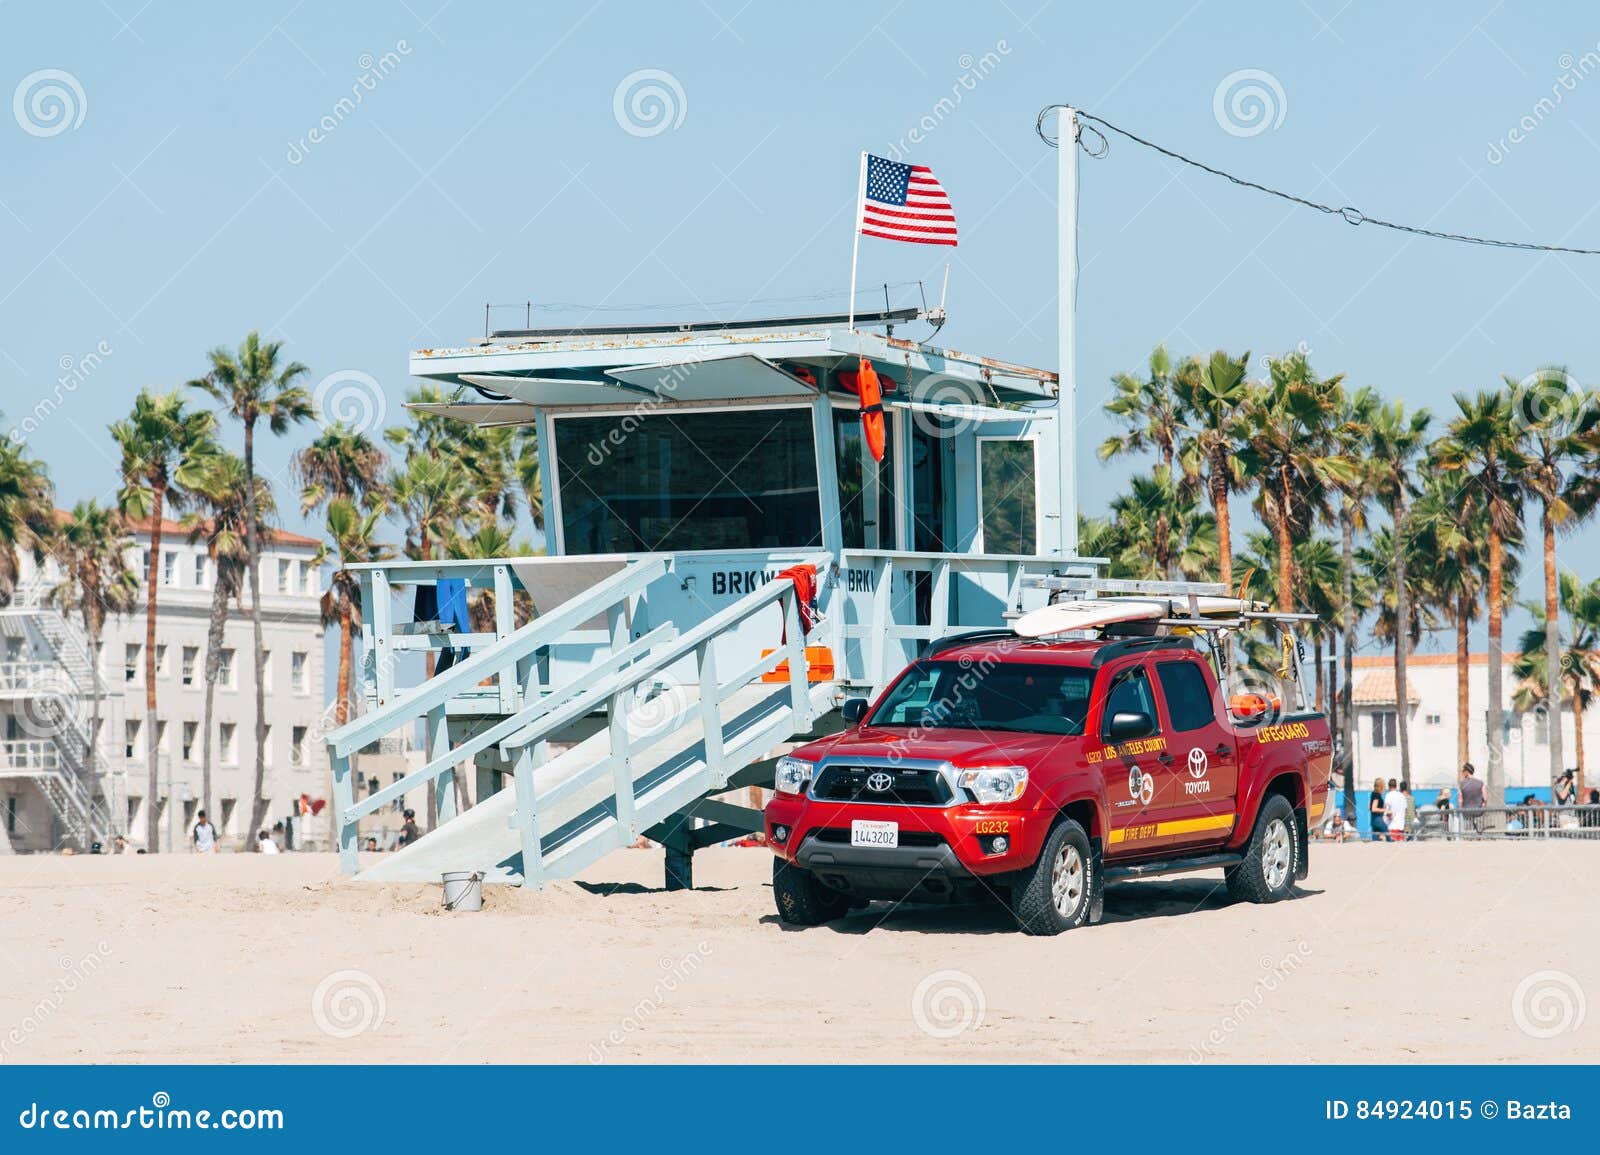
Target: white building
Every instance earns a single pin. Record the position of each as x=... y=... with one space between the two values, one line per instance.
x=33 y=775
x=1433 y=712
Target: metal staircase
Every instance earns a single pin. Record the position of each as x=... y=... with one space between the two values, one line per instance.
x=55 y=686
x=677 y=729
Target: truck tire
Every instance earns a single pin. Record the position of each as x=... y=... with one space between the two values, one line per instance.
x=1055 y=893
x=801 y=899
x=1268 y=870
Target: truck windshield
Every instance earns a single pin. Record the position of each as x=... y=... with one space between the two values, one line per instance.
x=1030 y=697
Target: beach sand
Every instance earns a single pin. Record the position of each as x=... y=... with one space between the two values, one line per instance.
x=1430 y=952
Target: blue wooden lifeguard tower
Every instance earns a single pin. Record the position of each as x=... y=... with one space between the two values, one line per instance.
x=685 y=467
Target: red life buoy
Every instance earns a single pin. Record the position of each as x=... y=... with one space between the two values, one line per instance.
x=872 y=423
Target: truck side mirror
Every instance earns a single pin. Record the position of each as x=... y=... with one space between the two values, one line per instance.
x=854 y=709
x=1126 y=724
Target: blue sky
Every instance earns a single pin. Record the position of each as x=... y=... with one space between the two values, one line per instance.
x=486 y=160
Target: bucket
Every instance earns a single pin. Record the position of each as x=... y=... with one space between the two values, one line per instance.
x=463 y=890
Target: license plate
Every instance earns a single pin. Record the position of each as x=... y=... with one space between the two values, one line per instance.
x=865 y=833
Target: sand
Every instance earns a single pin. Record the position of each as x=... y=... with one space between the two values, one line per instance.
x=1418 y=953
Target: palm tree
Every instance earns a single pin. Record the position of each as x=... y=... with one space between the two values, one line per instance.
x=528 y=478
x=166 y=448
x=252 y=386
x=1351 y=434
x=91 y=544
x=1289 y=449
x=1397 y=440
x=221 y=493
x=1213 y=392
x=27 y=511
x=1450 y=535
x=1578 y=668
x=1481 y=448
x=342 y=464
x=1556 y=445
x=1161 y=532
x=1150 y=412
x=353 y=537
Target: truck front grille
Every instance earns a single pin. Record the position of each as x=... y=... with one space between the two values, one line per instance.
x=907 y=786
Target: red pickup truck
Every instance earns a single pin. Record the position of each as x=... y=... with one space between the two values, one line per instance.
x=1036 y=771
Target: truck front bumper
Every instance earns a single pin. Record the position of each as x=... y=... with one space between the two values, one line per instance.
x=945 y=853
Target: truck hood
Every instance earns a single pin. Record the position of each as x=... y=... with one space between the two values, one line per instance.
x=958 y=747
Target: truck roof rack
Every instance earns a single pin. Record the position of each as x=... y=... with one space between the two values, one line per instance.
x=1118 y=649
x=950 y=641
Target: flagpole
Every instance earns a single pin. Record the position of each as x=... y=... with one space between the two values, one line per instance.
x=855 y=248
x=1067 y=326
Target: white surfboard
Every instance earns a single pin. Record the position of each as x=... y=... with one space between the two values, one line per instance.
x=1097 y=613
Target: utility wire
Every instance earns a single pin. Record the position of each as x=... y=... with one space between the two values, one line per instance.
x=1351 y=214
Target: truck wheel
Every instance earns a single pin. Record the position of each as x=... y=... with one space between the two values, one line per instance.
x=802 y=900
x=1268 y=870
x=1053 y=894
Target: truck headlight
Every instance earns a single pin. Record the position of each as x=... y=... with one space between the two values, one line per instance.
x=995 y=783
x=791 y=775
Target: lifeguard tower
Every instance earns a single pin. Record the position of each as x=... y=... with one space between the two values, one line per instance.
x=685 y=466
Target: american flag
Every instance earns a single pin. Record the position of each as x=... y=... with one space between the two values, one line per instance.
x=905 y=202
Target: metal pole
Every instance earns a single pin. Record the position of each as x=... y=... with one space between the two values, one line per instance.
x=1067 y=326
x=855 y=247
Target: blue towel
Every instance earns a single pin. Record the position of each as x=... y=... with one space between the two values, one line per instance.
x=445 y=602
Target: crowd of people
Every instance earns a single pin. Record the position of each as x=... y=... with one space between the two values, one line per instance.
x=1393 y=814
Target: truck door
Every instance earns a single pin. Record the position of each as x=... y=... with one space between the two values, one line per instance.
x=1204 y=751
x=1142 y=787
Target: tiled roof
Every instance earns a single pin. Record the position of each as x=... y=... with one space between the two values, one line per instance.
x=173 y=529
x=1386 y=661
x=1377 y=689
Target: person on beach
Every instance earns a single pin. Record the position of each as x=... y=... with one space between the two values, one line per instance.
x=409 y=832
x=204 y=835
x=1564 y=791
x=1394 y=811
x=1380 y=825
x=265 y=845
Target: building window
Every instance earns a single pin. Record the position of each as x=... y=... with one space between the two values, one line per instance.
x=130 y=739
x=729 y=479
x=11 y=814
x=1008 y=495
x=1383 y=728
x=161 y=661
x=226 y=735
x=285 y=576
x=1434 y=719
x=312 y=577
x=169 y=569
x=130 y=662
x=190 y=729
x=199 y=571
x=297 y=746
x=298 y=672
x=191 y=655
x=227 y=672
x=1541 y=728
x=266 y=670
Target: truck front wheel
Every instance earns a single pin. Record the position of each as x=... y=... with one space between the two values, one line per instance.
x=1053 y=894
x=1268 y=870
x=802 y=900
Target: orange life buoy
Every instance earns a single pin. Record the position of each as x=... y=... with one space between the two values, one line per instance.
x=872 y=424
